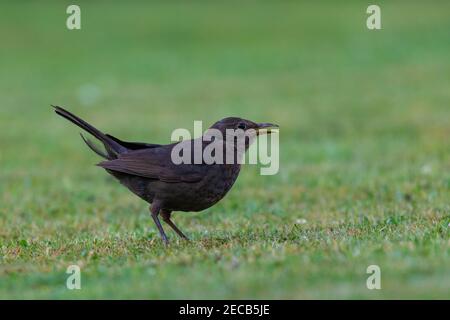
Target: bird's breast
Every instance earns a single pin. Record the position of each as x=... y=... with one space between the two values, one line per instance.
x=219 y=184
x=203 y=194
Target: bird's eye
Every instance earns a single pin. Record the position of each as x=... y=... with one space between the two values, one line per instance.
x=242 y=126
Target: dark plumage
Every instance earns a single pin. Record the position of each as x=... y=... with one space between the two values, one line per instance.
x=147 y=170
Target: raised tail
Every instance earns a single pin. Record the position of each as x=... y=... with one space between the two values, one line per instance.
x=112 y=147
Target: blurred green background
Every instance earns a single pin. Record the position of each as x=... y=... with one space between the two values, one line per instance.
x=364 y=175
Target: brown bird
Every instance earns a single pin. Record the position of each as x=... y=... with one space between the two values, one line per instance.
x=148 y=171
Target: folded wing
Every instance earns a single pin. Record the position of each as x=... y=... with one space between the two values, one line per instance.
x=154 y=163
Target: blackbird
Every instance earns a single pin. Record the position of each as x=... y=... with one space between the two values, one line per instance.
x=148 y=171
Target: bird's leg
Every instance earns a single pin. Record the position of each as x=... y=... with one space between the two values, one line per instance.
x=166 y=217
x=154 y=209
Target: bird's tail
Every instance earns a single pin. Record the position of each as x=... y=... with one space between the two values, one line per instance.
x=112 y=147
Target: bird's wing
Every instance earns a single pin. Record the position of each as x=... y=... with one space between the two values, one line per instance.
x=154 y=163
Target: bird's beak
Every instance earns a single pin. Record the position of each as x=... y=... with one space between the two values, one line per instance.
x=266 y=128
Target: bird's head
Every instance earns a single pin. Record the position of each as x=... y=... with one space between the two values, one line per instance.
x=238 y=128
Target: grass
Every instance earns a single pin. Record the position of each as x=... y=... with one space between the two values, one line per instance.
x=364 y=175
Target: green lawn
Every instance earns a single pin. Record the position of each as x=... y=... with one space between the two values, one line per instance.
x=364 y=144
